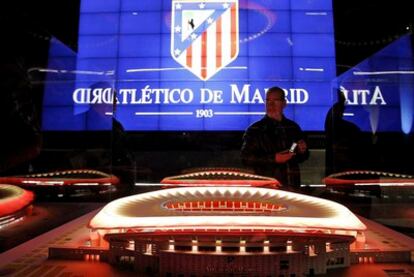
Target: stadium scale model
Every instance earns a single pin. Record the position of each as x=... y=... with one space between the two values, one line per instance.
x=15 y=203
x=366 y=178
x=67 y=182
x=221 y=223
x=367 y=183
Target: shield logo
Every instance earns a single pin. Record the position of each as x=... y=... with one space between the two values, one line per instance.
x=204 y=35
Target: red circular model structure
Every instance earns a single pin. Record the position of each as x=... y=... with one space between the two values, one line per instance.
x=13 y=200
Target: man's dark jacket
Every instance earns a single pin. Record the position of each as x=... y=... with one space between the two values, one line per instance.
x=266 y=137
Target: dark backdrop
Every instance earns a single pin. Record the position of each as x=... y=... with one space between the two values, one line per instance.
x=361 y=29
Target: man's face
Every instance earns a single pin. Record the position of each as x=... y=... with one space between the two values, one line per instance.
x=275 y=102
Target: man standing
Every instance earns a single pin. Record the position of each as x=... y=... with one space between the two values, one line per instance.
x=344 y=141
x=266 y=143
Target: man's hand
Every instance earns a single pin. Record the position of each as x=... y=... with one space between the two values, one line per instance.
x=283 y=157
x=302 y=147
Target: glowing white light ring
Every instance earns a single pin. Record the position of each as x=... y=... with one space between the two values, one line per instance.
x=110 y=217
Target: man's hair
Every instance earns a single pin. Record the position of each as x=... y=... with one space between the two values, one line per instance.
x=276 y=90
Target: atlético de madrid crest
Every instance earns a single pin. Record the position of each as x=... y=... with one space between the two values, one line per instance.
x=204 y=35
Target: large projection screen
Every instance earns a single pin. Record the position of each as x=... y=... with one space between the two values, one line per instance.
x=192 y=65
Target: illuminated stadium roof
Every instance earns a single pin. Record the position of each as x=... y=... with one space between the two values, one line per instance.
x=13 y=199
x=216 y=177
x=368 y=178
x=224 y=208
x=79 y=177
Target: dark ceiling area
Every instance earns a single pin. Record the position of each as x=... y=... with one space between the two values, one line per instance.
x=364 y=27
x=27 y=27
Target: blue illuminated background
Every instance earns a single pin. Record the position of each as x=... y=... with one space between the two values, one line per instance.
x=390 y=72
x=126 y=44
